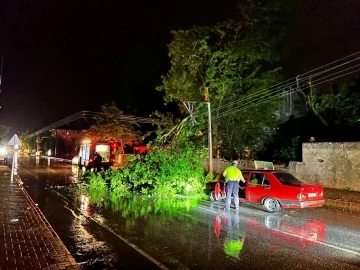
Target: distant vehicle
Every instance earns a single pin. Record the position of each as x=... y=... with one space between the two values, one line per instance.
x=140 y=149
x=274 y=189
x=87 y=155
x=4 y=155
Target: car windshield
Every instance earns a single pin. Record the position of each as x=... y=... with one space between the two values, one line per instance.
x=287 y=179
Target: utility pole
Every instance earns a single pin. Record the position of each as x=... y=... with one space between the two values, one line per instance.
x=189 y=106
x=1 y=69
x=211 y=165
x=55 y=142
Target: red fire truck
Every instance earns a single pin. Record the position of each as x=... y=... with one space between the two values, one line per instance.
x=106 y=150
x=140 y=149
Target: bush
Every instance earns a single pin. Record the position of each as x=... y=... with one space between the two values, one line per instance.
x=162 y=172
x=97 y=181
x=167 y=171
x=119 y=185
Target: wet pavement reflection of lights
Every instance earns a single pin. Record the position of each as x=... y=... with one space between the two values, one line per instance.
x=182 y=234
x=84 y=203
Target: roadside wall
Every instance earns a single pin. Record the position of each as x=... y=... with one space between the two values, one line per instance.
x=332 y=165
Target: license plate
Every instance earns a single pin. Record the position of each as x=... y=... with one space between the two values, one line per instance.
x=312 y=195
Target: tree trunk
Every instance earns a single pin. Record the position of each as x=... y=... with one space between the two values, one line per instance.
x=309 y=100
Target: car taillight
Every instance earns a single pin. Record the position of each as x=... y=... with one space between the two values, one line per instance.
x=321 y=194
x=301 y=196
x=91 y=160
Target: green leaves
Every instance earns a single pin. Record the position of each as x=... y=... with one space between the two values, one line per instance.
x=4 y=130
x=234 y=60
x=339 y=104
x=111 y=126
x=163 y=172
x=289 y=151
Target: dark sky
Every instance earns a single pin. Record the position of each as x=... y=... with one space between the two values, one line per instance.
x=61 y=57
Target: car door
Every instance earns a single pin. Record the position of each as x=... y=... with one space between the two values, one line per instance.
x=257 y=190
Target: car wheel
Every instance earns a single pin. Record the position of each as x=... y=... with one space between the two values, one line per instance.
x=272 y=205
x=212 y=196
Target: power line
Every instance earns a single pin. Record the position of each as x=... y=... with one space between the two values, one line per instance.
x=1 y=71
x=280 y=95
x=137 y=119
x=280 y=87
x=290 y=82
x=89 y=115
x=67 y=120
x=271 y=94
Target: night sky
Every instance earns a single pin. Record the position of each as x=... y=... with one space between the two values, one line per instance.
x=61 y=57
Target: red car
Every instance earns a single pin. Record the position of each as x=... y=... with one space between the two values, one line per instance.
x=274 y=189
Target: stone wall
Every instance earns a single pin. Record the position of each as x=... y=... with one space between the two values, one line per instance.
x=332 y=165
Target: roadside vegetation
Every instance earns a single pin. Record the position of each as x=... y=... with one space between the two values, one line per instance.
x=232 y=65
x=165 y=170
x=231 y=60
x=4 y=130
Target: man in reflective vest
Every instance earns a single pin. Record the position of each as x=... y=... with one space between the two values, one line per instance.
x=232 y=175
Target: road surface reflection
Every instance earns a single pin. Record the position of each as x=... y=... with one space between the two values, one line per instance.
x=187 y=233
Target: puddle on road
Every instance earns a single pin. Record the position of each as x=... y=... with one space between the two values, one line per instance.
x=94 y=202
x=128 y=218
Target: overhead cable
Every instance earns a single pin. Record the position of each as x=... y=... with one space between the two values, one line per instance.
x=240 y=108
x=290 y=82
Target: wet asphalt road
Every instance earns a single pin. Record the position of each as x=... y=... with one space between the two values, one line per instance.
x=123 y=234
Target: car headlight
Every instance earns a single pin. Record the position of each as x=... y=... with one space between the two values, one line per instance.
x=2 y=151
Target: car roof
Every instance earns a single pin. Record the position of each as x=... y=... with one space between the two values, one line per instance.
x=261 y=170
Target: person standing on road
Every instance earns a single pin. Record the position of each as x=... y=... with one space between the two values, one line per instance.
x=232 y=176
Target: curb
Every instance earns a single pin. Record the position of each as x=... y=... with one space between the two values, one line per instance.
x=343 y=205
x=58 y=159
x=43 y=218
x=54 y=158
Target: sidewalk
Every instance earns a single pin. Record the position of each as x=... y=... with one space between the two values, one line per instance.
x=27 y=241
x=343 y=200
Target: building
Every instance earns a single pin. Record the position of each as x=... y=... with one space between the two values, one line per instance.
x=66 y=141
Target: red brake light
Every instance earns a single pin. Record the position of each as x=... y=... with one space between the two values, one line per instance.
x=301 y=196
